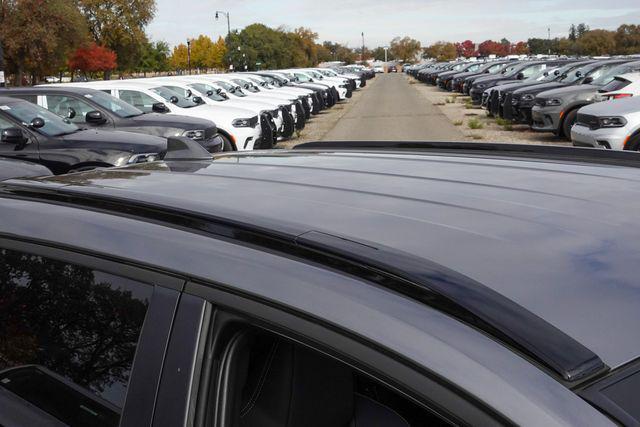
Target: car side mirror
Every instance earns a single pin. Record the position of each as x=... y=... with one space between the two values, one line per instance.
x=209 y=92
x=578 y=74
x=95 y=118
x=174 y=99
x=71 y=113
x=13 y=136
x=37 y=123
x=189 y=93
x=520 y=76
x=587 y=80
x=198 y=100
x=159 y=107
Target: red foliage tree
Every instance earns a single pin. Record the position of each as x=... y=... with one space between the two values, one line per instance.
x=92 y=58
x=490 y=47
x=520 y=48
x=467 y=49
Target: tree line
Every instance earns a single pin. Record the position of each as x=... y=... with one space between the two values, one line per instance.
x=580 y=41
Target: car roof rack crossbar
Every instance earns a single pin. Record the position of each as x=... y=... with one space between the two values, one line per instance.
x=532 y=151
x=420 y=279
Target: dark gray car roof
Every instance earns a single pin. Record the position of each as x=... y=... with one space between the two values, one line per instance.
x=557 y=238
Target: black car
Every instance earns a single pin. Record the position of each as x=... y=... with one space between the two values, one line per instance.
x=504 y=68
x=343 y=284
x=32 y=133
x=519 y=71
x=11 y=168
x=445 y=80
x=97 y=109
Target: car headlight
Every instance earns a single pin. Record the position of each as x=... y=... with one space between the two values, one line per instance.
x=197 y=134
x=612 y=122
x=481 y=86
x=245 y=123
x=553 y=102
x=528 y=97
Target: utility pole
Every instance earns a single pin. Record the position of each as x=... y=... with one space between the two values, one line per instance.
x=218 y=12
x=549 y=39
x=362 y=54
x=2 y=76
x=189 y=55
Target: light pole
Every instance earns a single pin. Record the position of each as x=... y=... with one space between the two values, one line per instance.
x=362 y=54
x=549 y=39
x=189 y=55
x=386 y=50
x=218 y=12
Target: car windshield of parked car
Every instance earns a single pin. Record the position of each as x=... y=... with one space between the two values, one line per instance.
x=247 y=85
x=231 y=88
x=211 y=91
x=25 y=112
x=607 y=73
x=113 y=104
x=169 y=95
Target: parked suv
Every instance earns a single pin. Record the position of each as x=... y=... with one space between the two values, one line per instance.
x=32 y=133
x=176 y=293
x=556 y=110
x=97 y=109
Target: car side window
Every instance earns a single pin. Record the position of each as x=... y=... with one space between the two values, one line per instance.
x=270 y=380
x=138 y=99
x=5 y=124
x=31 y=98
x=68 y=336
x=62 y=105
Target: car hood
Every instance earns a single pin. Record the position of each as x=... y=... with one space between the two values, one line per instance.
x=10 y=168
x=172 y=120
x=509 y=85
x=569 y=91
x=116 y=140
x=613 y=108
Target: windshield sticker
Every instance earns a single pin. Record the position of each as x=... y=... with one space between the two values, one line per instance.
x=88 y=95
x=5 y=107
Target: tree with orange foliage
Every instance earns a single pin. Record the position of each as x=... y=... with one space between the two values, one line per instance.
x=91 y=58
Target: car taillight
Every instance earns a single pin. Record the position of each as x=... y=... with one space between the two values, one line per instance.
x=621 y=95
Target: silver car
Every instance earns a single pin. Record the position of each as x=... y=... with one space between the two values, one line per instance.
x=611 y=124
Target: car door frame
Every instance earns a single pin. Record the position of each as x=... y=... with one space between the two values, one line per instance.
x=154 y=337
x=204 y=304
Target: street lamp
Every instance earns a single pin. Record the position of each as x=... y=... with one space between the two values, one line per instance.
x=362 y=54
x=189 y=55
x=549 y=40
x=218 y=12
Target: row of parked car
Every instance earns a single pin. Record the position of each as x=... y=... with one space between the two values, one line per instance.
x=85 y=125
x=592 y=102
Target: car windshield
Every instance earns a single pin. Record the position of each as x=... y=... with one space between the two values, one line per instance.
x=25 y=112
x=210 y=91
x=608 y=73
x=113 y=104
x=171 y=96
x=247 y=85
x=231 y=88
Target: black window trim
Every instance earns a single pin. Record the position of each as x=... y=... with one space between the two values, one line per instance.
x=154 y=336
x=405 y=378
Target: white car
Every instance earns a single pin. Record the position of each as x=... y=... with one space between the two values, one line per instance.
x=378 y=69
x=305 y=76
x=211 y=95
x=613 y=124
x=242 y=128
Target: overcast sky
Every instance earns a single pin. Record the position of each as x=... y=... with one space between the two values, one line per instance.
x=381 y=20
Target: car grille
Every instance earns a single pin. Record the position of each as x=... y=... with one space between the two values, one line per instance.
x=592 y=122
x=287 y=120
x=300 y=114
x=540 y=102
x=268 y=128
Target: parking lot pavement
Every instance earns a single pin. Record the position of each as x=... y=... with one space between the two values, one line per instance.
x=390 y=109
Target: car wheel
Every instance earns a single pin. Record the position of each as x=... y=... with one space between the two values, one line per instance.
x=228 y=146
x=633 y=144
x=569 y=121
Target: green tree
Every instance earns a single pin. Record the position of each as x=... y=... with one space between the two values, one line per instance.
x=627 y=39
x=38 y=35
x=155 y=57
x=119 y=25
x=597 y=42
x=404 y=49
x=441 y=51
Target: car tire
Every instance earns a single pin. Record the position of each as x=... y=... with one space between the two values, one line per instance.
x=633 y=144
x=567 y=124
x=228 y=146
